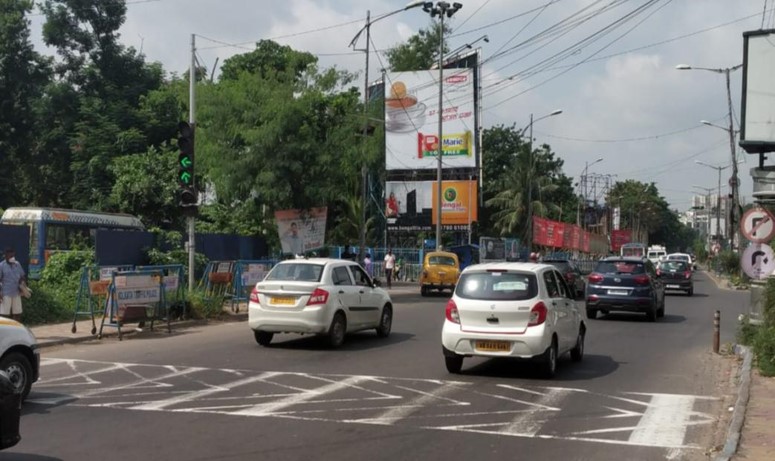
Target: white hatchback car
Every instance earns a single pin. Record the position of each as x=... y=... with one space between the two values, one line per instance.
x=519 y=310
x=329 y=297
x=19 y=355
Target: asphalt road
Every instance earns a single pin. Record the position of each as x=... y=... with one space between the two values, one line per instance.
x=646 y=391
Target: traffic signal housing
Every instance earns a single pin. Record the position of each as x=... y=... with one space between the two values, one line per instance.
x=186 y=185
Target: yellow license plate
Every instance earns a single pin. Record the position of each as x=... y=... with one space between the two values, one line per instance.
x=493 y=346
x=282 y=300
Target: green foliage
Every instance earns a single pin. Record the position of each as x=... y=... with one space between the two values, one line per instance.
x=163 y=258
x=201 y=306
x=729 y=262
x=762 y=337
x=54 y=296
x=420 y=52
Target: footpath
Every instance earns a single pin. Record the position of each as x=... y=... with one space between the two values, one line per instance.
x=753 y=425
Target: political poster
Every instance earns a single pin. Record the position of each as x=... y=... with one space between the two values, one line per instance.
x=301 y=231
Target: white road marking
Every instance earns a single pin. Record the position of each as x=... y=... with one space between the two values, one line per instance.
x=530 y=423
x=399 y=412
x=665 y=421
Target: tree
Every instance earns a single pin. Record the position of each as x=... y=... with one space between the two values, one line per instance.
x=23 y=75
x=420 y=52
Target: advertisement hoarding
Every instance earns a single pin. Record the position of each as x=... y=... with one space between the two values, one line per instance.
x=413 y=203
x=411 y=120
x=757 y=126
x=301 y=230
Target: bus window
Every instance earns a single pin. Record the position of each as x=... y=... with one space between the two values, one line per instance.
x=65 y=237
x=34 y=242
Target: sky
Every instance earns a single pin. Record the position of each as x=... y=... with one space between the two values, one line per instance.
x=622 y=98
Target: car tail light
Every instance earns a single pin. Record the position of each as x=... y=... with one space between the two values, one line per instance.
x=254 y=295
x=537 y=315
x=595 y=278
x=451 y=312
x=688 y=274
x=318 y=296
x=642 y=279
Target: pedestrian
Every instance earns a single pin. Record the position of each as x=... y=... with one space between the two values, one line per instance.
x=367 y=264
x=11 y=278
x=390 y=265
x=397 y=270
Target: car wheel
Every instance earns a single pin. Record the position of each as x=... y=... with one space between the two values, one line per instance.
x=19 y=370
x=454 y=363
x=591 y=313
x=423 y=291
x=337 y=330
x=577 y=353
x=385 y=322
x=263 y=337
x=549 y=361
x=690 y=292
x=651 y=315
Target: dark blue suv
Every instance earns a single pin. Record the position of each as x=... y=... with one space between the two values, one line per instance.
x=625 y=284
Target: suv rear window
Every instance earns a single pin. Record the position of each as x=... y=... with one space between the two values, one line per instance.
x=497 y=286
x=620 y=267
x=296 y=272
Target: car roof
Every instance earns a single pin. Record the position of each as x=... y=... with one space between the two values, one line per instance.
x=441 y=253
x=316 y=261
x=512 y=266
x=634 y=259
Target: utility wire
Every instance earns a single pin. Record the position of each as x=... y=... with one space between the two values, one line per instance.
x=474 y=13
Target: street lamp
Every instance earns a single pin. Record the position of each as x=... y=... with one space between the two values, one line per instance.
x=529 y=237
x=367 y=50
x=734 y=182
x=583 y=183
x=441 y=9
x=718 y=202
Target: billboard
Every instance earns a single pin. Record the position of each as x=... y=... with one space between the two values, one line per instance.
x=301 y=230
x=412 y=204
x=757 y=124
x=411 y=120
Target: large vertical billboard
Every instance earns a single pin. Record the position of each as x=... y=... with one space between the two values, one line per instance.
x=757 y=124
x=411 y=120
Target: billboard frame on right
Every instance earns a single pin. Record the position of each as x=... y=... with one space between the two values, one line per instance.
x=757 y=107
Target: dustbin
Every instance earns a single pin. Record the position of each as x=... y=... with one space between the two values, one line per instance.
x=10 y=412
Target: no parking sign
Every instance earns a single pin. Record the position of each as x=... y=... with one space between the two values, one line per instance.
x=758 y=225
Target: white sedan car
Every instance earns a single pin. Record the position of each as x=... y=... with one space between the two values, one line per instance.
x=519 y=310
x=329 y=297
x=19 y=355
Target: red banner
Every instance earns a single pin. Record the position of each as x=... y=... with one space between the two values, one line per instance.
x=585 y=245
x=555 y=232
x=619 y=238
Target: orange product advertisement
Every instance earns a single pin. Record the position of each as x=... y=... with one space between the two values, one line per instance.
x=459 y=202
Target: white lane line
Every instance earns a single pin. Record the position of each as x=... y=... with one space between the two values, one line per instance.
x=85 y=375
x=665 y=421
x=531 y=422
x=399 y=412
x=139 y=384
x=268 y=409
x=190 y=396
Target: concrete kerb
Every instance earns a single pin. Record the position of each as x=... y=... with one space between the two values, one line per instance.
x=738 y=414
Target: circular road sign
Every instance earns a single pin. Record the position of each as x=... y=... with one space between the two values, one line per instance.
x=733 y=181
x=758 y=261
x=758 y=225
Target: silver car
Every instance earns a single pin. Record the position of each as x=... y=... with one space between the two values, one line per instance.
x=518 y=310
x=320 y=296
x=19 y=355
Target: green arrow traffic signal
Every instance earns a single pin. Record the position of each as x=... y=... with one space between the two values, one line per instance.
x=185 y=177
x=186 y=162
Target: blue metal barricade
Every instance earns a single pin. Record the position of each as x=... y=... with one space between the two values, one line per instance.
x=92 y=291
x=135 y=296
x=246 y=274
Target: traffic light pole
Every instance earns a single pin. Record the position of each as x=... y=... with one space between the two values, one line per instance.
x=192 y=121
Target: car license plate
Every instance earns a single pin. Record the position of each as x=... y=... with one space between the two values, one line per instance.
x=493 y=346
x=282 y=300
x=617 y=292
x=673 y=286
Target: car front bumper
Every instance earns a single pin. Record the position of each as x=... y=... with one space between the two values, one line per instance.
x=533 y=342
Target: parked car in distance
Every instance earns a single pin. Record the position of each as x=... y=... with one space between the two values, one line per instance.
x=516 y=310
x=330 y=297
x=440 y=271
x=571 y=272
x=682 y=257
x=19 y=355
x=677 y=275
x=627 y=285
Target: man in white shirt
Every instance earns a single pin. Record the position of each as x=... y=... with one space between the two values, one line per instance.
x=390 y=264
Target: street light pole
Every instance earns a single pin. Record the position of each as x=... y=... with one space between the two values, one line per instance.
x=529 y=233
x=734 y=182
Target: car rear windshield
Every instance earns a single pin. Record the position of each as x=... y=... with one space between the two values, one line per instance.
x=441 y=261
x=679 y=257
x=673 y=265
x=497 y=286
x=296 y=272
x=620 y=267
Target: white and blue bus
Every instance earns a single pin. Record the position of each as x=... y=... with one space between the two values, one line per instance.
x=53 y=230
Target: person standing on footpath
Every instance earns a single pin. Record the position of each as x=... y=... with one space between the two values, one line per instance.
x=367 y=264
x=11 y=278
x=390 y=264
